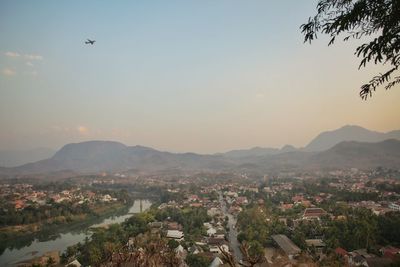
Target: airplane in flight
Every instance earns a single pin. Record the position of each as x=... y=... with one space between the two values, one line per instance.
x=90 y=41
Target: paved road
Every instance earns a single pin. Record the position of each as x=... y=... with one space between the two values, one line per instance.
x=234 y=243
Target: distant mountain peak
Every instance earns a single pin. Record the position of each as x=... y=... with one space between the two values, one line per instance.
x=328 y=139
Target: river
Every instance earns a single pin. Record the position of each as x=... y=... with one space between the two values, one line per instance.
x=63 y=239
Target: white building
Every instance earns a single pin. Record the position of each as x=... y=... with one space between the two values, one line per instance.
x=175 y=234
x=394 y=206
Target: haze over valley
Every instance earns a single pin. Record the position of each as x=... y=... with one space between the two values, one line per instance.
x=347 y=147
x=206 y=133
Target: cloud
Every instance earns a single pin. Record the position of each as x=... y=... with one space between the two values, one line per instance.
x=8 y=72
x=33 y=57
x=11 y=54
x=29 y=64
x=82 y=130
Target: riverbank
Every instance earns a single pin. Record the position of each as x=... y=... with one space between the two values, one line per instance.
x=59 y=237
x=16 y=231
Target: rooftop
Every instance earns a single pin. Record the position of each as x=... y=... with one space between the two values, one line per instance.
x=286 y=244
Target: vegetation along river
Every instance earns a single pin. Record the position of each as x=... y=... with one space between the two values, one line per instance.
x=59 y=239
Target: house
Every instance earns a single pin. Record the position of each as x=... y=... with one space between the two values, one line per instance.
x=193 y=198
x=285 y=207
x=359 y=257
x=219 y=248
x=357 y=260
x=318 y=199
x=394 y=206
x=211 y=231
x=297 y=199
x=19 y=204
x=175 y=234
x=313 y=213
x=174 y=226
x=220 y=233
x=341 y=252
x=286 y=245
x=242 y=201
x=215 y=242
x=318 y=244
x=390 y=252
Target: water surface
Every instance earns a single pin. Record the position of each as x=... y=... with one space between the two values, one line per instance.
x=64 y=238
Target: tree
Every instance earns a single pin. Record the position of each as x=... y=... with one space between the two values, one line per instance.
x=356 y=19
x=173 y=244
x=197 y=260
x=253 y=252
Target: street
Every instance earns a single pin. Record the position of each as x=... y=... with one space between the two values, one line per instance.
x=232 y=237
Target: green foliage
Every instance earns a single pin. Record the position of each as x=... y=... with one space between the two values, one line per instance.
x=54 y=213
x=104 y=242
x=196 y=260
x=359 y=230
x=389 y=228
x=191 y=219
x=138 y=223
x=255 y=229
x=378 y=20
x=173 y=244
x=255 y=249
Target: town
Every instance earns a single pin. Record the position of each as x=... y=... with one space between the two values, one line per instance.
x=336 y=218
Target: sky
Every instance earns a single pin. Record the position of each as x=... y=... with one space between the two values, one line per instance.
x=202 y=76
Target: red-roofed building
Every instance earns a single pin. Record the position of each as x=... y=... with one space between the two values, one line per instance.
x=390 y=252
x=19 y=204
x=313 y=213
x=318 y=199
x=193 y=198
x=284 y=207
x=341 y=252
x=297 y=199
x=241 y=201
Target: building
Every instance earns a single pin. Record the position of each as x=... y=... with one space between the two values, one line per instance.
x=313 y=213
x=394 y=206
x=318 y=244
x=175 y=234
x=284 y=243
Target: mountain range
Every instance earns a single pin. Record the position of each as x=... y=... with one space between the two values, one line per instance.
x=328 y=139
x=349 y=146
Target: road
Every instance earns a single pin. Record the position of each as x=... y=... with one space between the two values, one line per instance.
x=232 y=237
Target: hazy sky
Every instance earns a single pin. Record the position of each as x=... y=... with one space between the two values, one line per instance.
x=200 y=76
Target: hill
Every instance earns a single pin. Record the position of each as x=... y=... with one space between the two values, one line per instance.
x=360 y=155
x=329 y=139
x=96 y=156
